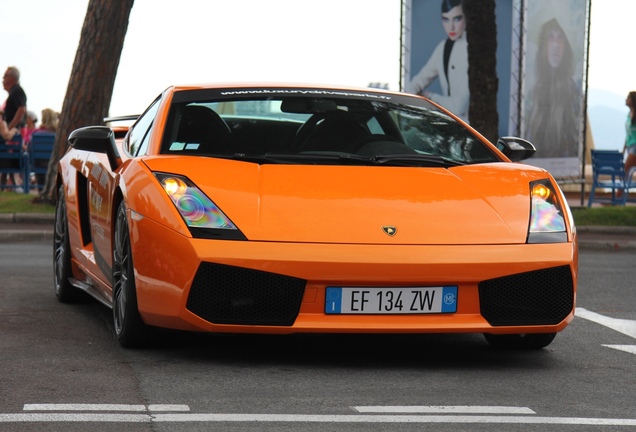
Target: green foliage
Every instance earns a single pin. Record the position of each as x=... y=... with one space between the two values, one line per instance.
x=11 y=202
x=605 y=216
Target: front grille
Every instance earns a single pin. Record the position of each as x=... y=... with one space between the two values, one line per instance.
x=541 y=297
x=224 y=294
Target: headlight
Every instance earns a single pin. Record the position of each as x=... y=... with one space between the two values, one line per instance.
x=547 y=224
x=201 y=215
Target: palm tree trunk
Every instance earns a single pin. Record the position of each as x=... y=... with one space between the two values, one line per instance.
x=92 y=80
x=481 y=28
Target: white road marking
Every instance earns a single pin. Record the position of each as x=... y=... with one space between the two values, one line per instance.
x=625 y=326
x=387 y=419
x=74 y=418
x=457 y=409
x=167 y=407
x=627 y=348
x=84 y=407
x=105 y=407
x=308 y=418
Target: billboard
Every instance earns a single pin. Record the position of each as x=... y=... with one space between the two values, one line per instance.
x=531 y=101
x=553 y=111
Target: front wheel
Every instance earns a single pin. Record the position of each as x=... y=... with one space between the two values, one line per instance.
x=520 y=341
x=130 y=329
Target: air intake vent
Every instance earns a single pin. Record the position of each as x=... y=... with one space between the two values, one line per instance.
x=542 y=297
x=225 y=294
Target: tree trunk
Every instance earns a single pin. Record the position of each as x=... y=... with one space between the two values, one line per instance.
x=92 y=80
x=481 y=28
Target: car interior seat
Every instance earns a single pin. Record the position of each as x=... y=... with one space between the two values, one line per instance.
x=203 y=131
x=337 y=131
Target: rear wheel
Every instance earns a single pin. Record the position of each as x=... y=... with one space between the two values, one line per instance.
x=64 y=291
x=130 y=329
x=520 y=341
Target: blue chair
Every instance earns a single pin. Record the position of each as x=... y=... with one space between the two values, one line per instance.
x=40 y=149
x=630 y=183
x=13 y=161
x=608 y=172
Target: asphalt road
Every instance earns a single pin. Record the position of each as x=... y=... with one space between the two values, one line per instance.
x=61 y=369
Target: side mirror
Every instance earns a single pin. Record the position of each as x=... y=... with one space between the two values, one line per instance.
x=516 y=149
x=96 y=139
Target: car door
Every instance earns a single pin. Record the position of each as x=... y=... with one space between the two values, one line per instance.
x=101 y=181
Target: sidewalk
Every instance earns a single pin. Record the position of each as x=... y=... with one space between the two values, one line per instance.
x=26 y=227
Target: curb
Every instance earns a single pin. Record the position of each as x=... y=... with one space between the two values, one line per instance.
x=611 y=230
x=40 y=227
x=614 y=238
x=29 y=218
x=24 y=236
x=607 y=245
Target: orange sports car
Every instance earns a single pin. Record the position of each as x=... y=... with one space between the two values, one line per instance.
x=290 y=209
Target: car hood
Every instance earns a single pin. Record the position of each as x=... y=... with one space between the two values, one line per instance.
x=472 y=204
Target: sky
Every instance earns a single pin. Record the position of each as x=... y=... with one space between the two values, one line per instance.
x=343 y=41
x=350 y=42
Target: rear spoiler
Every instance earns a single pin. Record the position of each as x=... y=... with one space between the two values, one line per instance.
x=120 y=130
x=121 y=118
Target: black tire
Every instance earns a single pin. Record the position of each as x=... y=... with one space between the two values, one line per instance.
x=520 y=341
x=130 y=330
x=65 y=292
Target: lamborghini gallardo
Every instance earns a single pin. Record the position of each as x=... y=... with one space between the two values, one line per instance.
x=281 y=209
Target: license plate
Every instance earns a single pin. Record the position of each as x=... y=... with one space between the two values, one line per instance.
x=411 y=300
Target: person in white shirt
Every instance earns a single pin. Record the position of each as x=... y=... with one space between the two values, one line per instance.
x=448 y=63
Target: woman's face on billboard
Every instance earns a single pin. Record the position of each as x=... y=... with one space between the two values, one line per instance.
x=454 y=22
x=556 y=47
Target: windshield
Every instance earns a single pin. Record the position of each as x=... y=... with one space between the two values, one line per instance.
x=320 y=129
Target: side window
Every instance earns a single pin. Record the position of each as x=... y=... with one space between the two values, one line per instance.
x=140 y=132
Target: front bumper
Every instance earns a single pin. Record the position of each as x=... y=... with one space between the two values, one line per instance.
x=278 y=288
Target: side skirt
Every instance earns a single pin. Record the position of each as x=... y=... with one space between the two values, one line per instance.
x=90 y=290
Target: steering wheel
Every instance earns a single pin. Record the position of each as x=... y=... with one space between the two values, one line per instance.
x=305 y=129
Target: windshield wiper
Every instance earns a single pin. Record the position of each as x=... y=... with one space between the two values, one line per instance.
x=306 y=158
x=415 y=160
x=348 y=158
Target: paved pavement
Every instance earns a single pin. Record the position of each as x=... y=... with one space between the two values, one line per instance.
x=24 y=227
